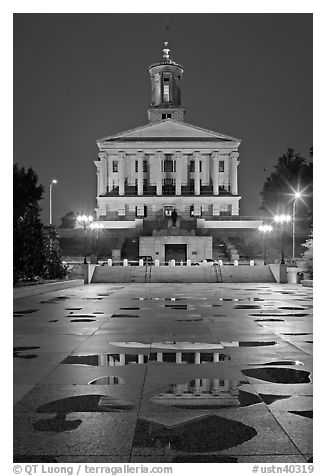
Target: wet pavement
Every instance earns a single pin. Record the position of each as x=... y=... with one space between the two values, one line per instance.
x=164 y=373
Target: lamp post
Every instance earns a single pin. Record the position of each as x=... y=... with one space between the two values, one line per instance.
x=53 y=182
x=265 y=229
x=84 y=220
x=282 y=219
x=296 y=195
x=97 y=227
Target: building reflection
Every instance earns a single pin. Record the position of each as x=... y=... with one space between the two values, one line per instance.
x=201 y=392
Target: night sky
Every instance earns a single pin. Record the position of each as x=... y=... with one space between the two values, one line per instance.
x=80 y=77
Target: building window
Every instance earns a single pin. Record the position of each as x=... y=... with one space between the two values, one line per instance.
x=145 y=185
x=192 y=166
x=166 y=116
x=221 y=166
x=136 y=165
x=144 y=165
x=168 y=164
x=200 y=166
x=166 y=90
x=115 y=166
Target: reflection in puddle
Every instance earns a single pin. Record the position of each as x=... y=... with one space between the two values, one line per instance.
x=81 y=403
x=18 y=350
x=129 y=308
x=107 y=380
x=188 y=357
x=281 y=362
x=278 y=375
x=206 y=393
x=293 y=308
x=177 y=306
x=208 y=434
x=108 y=360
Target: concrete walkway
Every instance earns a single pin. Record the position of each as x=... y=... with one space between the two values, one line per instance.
x=164 y=373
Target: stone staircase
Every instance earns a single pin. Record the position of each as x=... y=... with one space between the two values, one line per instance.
x=182 y=274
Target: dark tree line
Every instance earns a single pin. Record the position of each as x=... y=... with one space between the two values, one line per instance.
x=292 y=173
x=35 y=246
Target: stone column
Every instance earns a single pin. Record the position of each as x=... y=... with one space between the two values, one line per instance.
x=159 y=173
x=215 y=173
x=234 y=172
x=178 y=357
x=102 y=173
x=121 y=171
x=140 y=175
x=197 y=174
x=178 y=178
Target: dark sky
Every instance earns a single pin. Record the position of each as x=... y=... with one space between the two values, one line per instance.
x=79 y=77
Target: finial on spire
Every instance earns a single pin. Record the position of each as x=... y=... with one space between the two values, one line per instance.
x=166 y=51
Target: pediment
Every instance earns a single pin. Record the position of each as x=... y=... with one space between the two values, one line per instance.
x=168 y=129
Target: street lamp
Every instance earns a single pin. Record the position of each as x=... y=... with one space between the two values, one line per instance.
x=98 y=227
x=296 y=196
x=265 y=229
x=282 y=219
x=85 y=220
x=53 y=182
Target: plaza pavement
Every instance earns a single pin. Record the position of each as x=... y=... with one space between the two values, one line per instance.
x=179 y=372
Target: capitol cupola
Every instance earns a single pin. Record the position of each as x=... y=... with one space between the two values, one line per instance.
x=166 y=76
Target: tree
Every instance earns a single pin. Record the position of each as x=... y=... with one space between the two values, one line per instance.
x=68 y=220
x=36 y=248
x=27 y=226
x=292 y=173
x=53 y=267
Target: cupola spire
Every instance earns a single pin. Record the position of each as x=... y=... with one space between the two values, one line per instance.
x=166 y=78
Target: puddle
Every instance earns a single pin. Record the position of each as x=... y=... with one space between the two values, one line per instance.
x=25 y=311
x=296 y=334
x=104 y=294
x=73 y=308
x=256 y=343
x=107 y=380
x=279 y=314
x=293 y=308
x=18 y=350
x=203 y=459
x=81 y=403
x=82 y=320
x=277 y=375
x=190 y=320
x=107 y=360
x=269 y=399
x=54 y=320
x=176 y=306
x=247 y=306
x=124 y=315
x=309 y=341
x=80 y=316
x=129 y=308
x=303 y=413
x=281 y=362
x=203 y=435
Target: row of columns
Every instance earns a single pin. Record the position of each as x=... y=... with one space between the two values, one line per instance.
x=178 y=180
